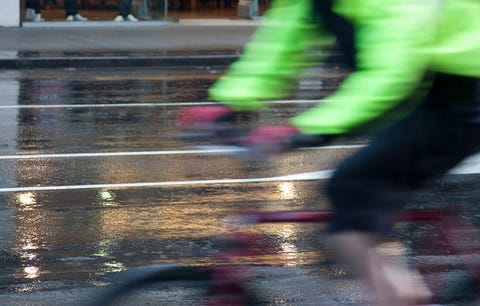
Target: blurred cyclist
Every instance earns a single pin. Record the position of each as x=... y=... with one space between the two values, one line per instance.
x=399 y=51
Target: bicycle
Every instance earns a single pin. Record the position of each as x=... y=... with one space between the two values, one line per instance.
x=228 y=283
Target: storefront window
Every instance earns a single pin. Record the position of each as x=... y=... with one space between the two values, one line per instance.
x=105 y=10
x=100 y=10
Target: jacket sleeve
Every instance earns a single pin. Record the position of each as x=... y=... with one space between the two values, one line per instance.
x=272 y=59
x=388 y=37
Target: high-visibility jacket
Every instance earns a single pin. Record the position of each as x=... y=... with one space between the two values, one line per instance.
x=395 y=43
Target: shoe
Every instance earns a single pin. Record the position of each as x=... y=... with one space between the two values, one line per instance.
x=70 y=18
x=38 y=18
x=79 y=17
x=29 y=14
x=130 y=17
x=118 y=19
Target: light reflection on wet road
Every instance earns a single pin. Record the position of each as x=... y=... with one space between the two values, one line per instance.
x=58 y=119
x=74 y=237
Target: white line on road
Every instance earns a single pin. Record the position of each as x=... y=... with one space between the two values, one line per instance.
x=470 y=166
x=220 y=150
x=113 y=154
x=104 y=105
x=316 y=175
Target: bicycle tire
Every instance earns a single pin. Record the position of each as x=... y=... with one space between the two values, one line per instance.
x=446 y=261
x=127 y=282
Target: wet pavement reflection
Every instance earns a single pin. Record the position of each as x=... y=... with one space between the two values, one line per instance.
x=66 y=219
x=56 y=120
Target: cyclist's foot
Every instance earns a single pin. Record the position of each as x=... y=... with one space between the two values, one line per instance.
x=393 y=283
x=399 y=286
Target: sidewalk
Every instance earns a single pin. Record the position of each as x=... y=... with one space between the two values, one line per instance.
x=104 y=43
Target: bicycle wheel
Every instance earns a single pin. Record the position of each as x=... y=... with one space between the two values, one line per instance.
x=447 y=255
x=174 y=280
x=133 y=281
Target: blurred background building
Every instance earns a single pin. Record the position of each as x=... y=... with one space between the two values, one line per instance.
x=13 y=11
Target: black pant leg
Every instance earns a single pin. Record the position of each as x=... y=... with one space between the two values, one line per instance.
x=124 y=7
x=377 y=181
x=33 y=4
x=71 y=7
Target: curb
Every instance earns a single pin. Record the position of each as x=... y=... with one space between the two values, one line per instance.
x=118 y=61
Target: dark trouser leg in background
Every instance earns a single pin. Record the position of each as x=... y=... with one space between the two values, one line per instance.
x=33 y=4
x=124 y=7
x=71 y=7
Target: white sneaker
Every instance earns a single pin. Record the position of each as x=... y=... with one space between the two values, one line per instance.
x=38 y=18
x=118 y=19
x=79 y=17
x=130 y=17
x=29 y=14
x=70 y=18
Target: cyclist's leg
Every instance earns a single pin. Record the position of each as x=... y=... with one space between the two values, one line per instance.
x=376 y=182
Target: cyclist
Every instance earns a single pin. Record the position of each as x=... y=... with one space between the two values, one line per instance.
x=415 y=63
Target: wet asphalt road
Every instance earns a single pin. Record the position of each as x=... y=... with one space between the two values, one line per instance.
x=91 y=183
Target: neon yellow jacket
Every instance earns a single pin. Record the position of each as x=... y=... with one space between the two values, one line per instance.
x=396 y=42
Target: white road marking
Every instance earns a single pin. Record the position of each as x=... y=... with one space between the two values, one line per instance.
x=205 y=150
x=316 y=175
x=112 y=105
x=470 y=166
x=113 y=154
